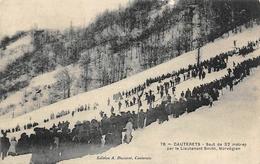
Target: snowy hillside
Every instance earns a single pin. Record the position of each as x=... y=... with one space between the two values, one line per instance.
x=14 y=51
x=23 y=100
x=99 y=97
x=235 y=119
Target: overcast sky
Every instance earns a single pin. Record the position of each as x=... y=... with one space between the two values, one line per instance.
x=24 y=14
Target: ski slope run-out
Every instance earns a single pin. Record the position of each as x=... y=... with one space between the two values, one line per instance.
x=235 y=118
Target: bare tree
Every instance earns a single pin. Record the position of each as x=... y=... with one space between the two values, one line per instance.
x=178 y=46
x=85 y=65
x=64 y=81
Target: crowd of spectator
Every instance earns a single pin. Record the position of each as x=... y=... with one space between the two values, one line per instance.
x=117 y=128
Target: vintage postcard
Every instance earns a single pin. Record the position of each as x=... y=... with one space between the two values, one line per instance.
x=129 y=81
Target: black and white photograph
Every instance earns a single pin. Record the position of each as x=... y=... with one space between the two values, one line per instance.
x=129 y=81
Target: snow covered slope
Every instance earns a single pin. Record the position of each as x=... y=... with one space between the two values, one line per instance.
x=21 y=159
x=101 y=95
x=235 y=118
x=15 y=50
x=40 y=82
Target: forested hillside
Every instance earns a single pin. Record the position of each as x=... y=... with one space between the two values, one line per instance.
x=119 y=44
